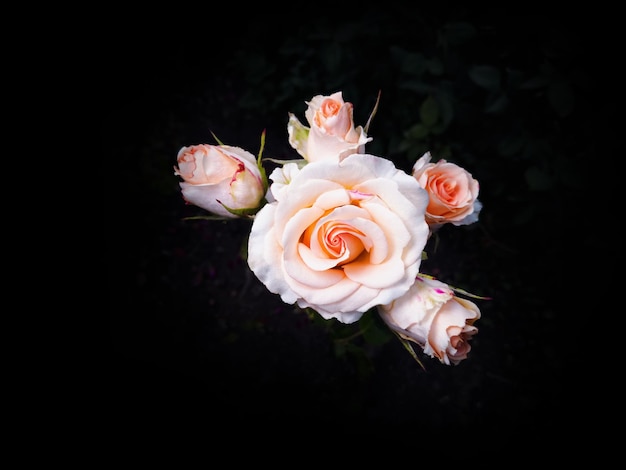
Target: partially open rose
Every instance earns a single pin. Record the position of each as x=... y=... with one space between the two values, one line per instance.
x=431 y=315
x=341 y=237
x=216 y=176
x=331 y=135
x=452 y=190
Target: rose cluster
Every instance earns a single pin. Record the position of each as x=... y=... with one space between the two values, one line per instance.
x=341 y=231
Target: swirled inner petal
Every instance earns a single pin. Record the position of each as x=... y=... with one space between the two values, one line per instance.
x=306 y=270
x=374 y=239
x=314 y=261
x=296 y=227
x=326 y=236
x=332 y=246
x=297 y=267
x=343 y=243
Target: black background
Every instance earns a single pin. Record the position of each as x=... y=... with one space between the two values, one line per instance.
x=195 y=338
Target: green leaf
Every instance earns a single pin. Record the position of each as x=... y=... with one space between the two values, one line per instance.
x=373 y=333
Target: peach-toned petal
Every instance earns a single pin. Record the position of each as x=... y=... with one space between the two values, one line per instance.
x=347 y=236
x=376 y=276
x=265 y=254
x=332 y=199
x=453 y=192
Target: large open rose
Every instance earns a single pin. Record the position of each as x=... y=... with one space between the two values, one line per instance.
x=341 y=237
x=215 y=176
x=452 y=190
x=332 y=133
x=431 y=315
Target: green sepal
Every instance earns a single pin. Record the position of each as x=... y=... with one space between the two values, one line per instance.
x=459 y=290
x=219 y=142
x=373 y=113
x=299 y=135
x=245 y=213
x=301 y=162
x=259 y=163
x=409 y=347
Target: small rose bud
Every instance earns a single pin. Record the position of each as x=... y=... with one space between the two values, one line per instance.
x=217 y=177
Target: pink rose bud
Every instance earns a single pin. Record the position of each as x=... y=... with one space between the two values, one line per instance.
x=332 y=133
x=452 y=191
x=432 y=316
x=217 y=177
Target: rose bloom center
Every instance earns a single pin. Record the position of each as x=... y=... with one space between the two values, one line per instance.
x=336 y=241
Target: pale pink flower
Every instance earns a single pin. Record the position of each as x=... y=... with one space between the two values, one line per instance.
x=341 y=237
x=432 y=316
x=215 y=176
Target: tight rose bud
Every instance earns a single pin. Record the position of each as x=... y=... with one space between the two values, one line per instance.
x=452 y=191
x=431 y=315
x=332 y=134
x=217 y=177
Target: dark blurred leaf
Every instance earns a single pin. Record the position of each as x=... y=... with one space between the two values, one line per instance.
x=417 y=132
x=429 y=111
x=561 y=98
x=496 y=103
x=417 y=86
x=535 y=83
x=435 y=66
x=374 y=332
x=485 y=76
x=537 y=179
x=511 y=145
x=514 y=78
x=412 y=63
x=445 y=99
